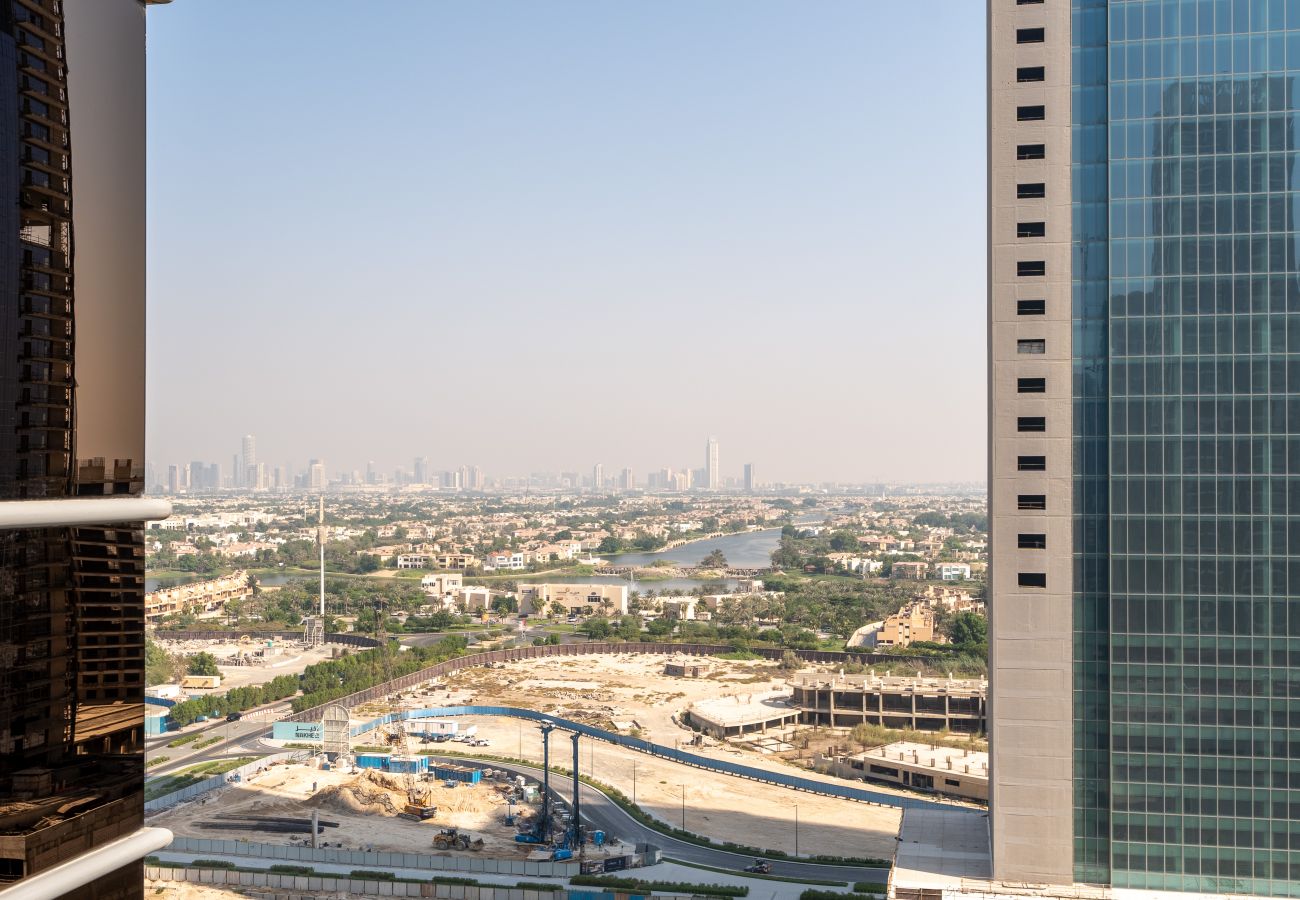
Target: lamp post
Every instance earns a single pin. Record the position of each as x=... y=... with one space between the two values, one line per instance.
x=796 y=829
x=634 y=782
x=683 y=807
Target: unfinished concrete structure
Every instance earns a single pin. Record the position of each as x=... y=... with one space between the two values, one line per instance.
x=737 y=716
x=924 y=704
x=943 y=770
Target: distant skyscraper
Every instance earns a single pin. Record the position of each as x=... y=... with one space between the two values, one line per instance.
x=248 y=461
x=421 y=470
x=316 y=475
x=627 y=481
x=173 y=479
x=1144 y=285
x=598 y=477
x=712 y=474
x=751 y=484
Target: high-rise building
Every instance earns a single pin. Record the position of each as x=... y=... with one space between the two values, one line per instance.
x=751 y=484
x=712 y=474
x=598 y=477
x=627 y=481
x=421 y=470
x=72 y=306
x=316 y=475
x=248 y=458
x=1144 y=287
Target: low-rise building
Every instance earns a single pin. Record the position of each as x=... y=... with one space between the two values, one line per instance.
x=909 y=570
x=951 y=571
x=456 y=561
x=584 y=599
x=940 y=770
x=914 y=622
x=412 y=561
x=198 y=597
x=440 y=584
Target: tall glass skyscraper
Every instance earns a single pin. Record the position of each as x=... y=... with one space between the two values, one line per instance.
x=1144 y=308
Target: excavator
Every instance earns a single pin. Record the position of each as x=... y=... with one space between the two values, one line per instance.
x=418 y=806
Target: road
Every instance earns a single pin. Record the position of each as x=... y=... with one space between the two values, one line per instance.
x=605 y=814
x=242 y=738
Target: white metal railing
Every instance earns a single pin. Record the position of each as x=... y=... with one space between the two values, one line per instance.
x=86 y=868
x=81 y=511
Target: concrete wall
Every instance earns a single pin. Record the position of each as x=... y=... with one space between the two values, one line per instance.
x=1030 y=670
x=167 y=801
x=369 y=859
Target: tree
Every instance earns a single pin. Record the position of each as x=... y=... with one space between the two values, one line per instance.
x=597 y=628
x=844 y=541
x=969 y=628
x=557 y=609
x=866 y=735
x=715 y=560
x=203 y=664
x=367 y=562
x=789 y=662
x=160 y=666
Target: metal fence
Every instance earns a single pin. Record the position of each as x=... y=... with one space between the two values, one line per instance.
x=798 y=783
x=405 y=682
x=167 y=801
x=374 y=859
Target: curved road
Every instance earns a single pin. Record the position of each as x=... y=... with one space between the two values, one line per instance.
x=608 y=816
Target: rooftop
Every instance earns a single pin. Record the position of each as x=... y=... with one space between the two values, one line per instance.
x=941 y=759
x=744 y=709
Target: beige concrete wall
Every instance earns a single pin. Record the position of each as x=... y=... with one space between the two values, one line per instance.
x=106 y=93
x=1030 y=710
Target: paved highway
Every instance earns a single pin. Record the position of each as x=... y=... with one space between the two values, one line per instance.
x=608 y=816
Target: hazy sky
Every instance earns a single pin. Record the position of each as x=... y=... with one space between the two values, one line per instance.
x=537 y=235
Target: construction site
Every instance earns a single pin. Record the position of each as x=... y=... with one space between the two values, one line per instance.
x=245 y=661
x=363 y=809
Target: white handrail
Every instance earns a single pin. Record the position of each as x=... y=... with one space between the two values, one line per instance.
x=84 y=869
x=81 y=511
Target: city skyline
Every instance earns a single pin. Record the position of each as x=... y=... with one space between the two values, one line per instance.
x=725 y=242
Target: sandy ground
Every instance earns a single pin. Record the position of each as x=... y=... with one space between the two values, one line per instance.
x=722 y=807
x=170 y=890
x=353 y=800
x=285 y=658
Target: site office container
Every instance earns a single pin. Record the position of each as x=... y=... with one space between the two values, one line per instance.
x=408 y=765
x=457 y=773
x=372 y=760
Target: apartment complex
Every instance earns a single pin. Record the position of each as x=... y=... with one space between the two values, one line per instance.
x=72 y=411
x=1145 y=630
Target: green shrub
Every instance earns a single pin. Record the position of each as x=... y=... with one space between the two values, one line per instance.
x=283 y=869
x=869 y=887
x=372 y=875
x=538 y=886
x=814 y=894
x=211 y=864
x=669 y=887
x=453 y=879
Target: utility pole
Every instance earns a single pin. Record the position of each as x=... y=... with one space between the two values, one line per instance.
x=320 y=539
x=796 y=829
x=634 y=782
x=683 y=807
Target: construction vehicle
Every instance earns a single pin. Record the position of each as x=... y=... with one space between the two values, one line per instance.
x=418 y=813
x=455 y=839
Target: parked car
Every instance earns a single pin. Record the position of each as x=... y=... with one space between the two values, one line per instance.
x=234 y=717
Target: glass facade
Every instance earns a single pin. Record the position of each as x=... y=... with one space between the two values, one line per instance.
x=1186 y=315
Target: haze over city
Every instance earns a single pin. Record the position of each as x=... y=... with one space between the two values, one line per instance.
x=538 y=237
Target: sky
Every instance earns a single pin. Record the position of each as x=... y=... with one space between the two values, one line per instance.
x=537 y=236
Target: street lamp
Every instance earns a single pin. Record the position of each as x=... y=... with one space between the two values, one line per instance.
x=683 y=807
x=634 y=782
x=796 y=829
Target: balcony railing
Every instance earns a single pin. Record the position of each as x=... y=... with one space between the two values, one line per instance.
x=81 y=511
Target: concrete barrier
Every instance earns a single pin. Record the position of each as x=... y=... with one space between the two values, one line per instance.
x=375 y=859
x=375 y=888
